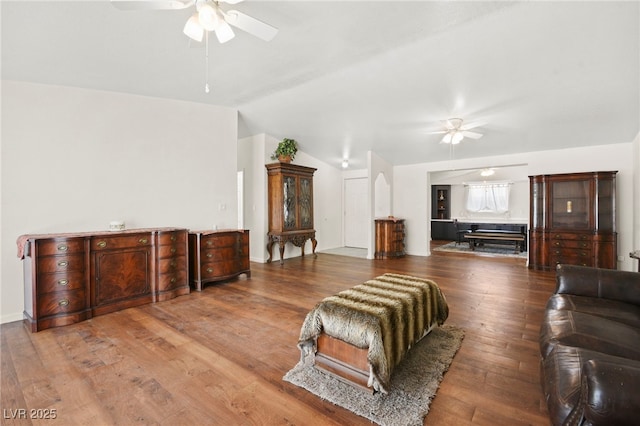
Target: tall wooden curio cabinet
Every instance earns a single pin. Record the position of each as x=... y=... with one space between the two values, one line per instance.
x=573 y=220
x=290 y=207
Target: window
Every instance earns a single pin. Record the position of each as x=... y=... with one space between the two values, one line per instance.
x=488 y=197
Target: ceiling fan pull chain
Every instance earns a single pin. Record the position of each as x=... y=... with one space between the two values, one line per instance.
x=206 y=62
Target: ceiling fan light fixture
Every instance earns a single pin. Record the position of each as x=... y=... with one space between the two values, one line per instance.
x=209 y=17
x=193 y=29
x=456 y=138
x=487 y=172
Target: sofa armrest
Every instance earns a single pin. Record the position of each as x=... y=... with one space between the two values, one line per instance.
x=609 y=394
x=611 y=284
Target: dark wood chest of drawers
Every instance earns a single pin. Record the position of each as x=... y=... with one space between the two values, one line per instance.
x=389 y=238
x=217 y=255
x=73 y=277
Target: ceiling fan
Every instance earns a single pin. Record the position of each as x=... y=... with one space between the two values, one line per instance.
x=454 y=131
x=209 y=16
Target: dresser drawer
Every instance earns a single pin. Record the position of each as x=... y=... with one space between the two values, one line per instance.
x=219 y=269
x=172 y=280
x=61 y=302
x=178 y=263
x=217 y=240
x=60 y=246
x=107 y=243
x=172 y=237
x=580 y=261
x=569 y=236
x=576 y=244
x=72 y=280
x=72 y=262
x=172 y=250
x=220 y=254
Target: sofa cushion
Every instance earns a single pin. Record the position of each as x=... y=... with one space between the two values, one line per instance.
x=614 y=310
x=566 y=371
x=591 y=332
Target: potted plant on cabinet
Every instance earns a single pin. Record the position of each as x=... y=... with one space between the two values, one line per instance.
x=286 y=150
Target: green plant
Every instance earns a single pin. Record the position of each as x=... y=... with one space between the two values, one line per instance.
x=286 y=147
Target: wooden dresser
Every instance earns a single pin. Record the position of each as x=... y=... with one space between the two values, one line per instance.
x=573 y=220
x=290 y=207
x=72 y=277
x=217 y=255
x=389 y=238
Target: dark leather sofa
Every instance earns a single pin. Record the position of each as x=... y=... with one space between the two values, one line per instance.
x=590 y=347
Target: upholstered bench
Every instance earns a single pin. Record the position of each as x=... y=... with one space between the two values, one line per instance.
x=361 y=334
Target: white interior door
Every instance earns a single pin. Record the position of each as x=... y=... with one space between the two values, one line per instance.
x=355 y=212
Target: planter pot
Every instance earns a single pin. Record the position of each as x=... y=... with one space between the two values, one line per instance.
x=284 y=158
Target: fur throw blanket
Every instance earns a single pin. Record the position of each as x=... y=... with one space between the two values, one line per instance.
x=385 y=315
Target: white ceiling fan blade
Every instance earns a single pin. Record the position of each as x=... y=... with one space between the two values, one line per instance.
x=232 y=1
x=473 y=125
x=151 y=4
x=438 y=132
x=471 y=135
x=251 y=25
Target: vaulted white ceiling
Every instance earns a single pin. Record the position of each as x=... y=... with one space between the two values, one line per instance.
x=346 y=77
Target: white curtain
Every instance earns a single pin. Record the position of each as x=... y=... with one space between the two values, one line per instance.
x=490 y=197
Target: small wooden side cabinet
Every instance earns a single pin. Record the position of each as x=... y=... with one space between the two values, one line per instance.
x=290 y=207
x=389 y=238
x=217 y=255
x=72 y=277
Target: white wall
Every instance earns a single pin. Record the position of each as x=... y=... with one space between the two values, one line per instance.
x=412 y=198
x=75 y=159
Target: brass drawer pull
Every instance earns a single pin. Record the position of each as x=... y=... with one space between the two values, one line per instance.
x=209 y=243
x=63 y=247
x=173 y=250
x=63 y=263
x=209 y=270
x=63 y=302
x=142 y=241
x=173 y=263
x=173 y=238
x=102 y=244
x=209 y=255
x=63 y=282
x=173 y=280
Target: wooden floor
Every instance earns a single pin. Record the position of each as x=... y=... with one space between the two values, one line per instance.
x=218 y=357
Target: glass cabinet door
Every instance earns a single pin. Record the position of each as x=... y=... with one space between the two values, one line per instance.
x=306 y=203
x=570 y=204
x=537 y=208
x=289 y=202
x=606 y=205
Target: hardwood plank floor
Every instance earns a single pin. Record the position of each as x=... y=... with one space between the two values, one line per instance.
x=218 y=357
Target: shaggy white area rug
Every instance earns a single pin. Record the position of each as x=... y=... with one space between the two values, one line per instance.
x=413 y=385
